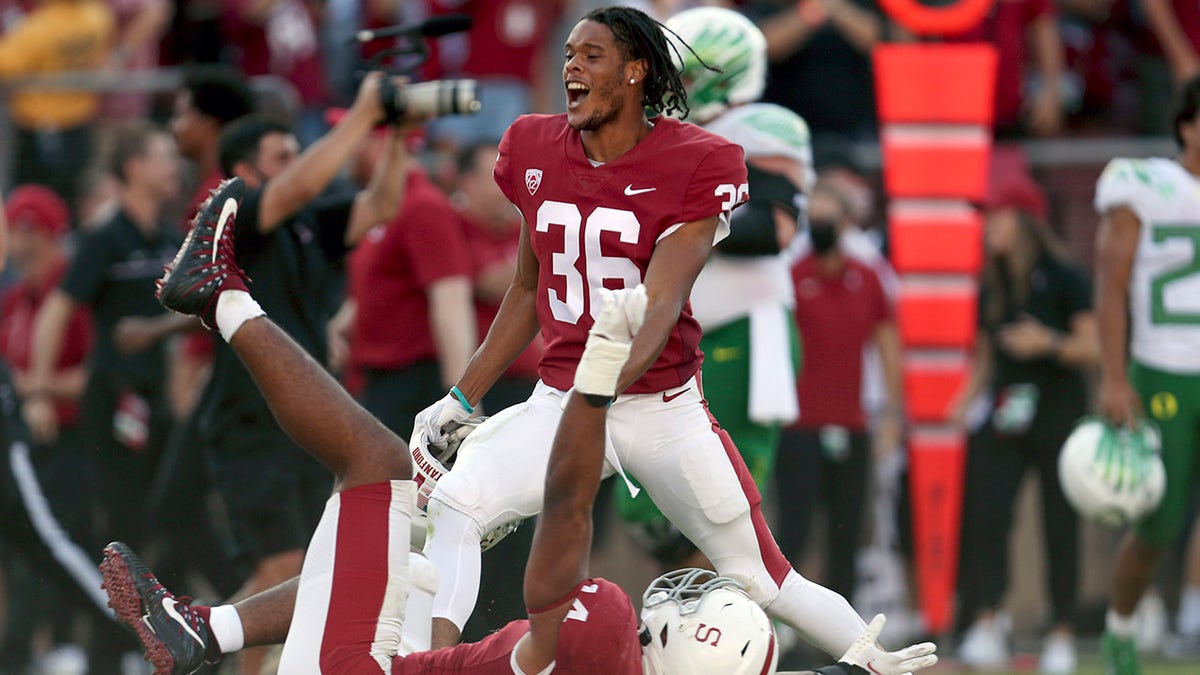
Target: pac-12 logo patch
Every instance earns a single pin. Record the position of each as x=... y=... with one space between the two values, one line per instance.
x=533 y=180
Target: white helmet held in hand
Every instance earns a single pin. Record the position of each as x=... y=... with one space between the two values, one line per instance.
x=697 y=623
x=1113 y=476
x=430 y=462
x=724 y=39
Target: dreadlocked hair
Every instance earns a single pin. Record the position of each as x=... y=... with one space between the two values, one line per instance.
x=641 y=37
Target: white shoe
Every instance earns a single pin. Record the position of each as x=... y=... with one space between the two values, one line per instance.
x=63 y=660
x=985 y=645
x=1058 y=655
x=1150 y=623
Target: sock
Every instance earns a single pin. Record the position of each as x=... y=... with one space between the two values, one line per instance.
x=1189 y=611
x=235 y=308
x=1121 y=626
x=822 y=617
x=226 y=627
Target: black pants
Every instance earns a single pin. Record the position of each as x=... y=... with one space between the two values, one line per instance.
x=179 y=515
x=125 y=473
x=32 y=532
x=808 y=475
x=995 y=466
x=396 y=396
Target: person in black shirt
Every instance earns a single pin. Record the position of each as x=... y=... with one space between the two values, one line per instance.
x=289 y=239
x=1037 y=333
x=124 y=412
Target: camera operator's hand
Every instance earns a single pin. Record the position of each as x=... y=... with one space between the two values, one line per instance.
x=366 y=101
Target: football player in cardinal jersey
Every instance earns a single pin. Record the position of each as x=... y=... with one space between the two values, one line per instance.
x=348 y=608
x=612 y=198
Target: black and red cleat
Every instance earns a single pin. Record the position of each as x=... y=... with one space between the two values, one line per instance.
x=175 y=636
x=205 y=264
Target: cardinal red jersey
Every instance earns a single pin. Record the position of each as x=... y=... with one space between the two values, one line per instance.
x=599 y=635
x=597 y=226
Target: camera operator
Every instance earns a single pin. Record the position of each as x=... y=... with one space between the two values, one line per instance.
x=290 y=240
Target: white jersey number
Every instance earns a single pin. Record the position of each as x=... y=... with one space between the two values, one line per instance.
x=1159 y=314
x=568 y=307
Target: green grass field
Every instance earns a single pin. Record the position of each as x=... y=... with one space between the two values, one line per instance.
x=1089 y=664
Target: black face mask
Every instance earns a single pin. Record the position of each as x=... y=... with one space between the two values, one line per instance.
x=824 y=236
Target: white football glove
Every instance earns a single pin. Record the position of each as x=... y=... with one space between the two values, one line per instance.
x=609 y=340
x=868 y=654
x=441 y=419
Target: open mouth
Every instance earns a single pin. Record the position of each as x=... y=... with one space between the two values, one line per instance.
x=576 y=92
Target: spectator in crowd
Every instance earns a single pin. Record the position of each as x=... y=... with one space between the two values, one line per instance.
x=288 y=240
x=40 y=221
x=824 y=457
x=1029 y=92
x=1176 y=25
x=124 y=409
x=1037 y=333
x=492 y=229
x=819 y=46
x=53 y=137
x=141 y=25
x=508 y=86
x=211 y=97
x=415 y=266
x=279 y=37
x=1150 y=344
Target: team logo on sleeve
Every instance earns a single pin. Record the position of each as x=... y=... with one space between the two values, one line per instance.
x=533 y=180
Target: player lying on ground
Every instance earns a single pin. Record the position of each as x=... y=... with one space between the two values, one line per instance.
x=347 y=609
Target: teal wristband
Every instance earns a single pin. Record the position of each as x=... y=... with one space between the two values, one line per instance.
x=462 y=399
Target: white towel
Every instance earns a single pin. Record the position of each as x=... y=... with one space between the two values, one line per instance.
x=772 y=371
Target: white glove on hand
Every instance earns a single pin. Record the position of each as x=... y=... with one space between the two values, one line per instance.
x=609 y=340
x=868 y=654
x=440 y=419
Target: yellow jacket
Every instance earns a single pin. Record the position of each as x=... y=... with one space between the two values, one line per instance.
x=58 y=36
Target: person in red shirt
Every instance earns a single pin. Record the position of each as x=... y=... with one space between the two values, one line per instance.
x=39 y=220
x=508 y=86
x=47 y=506
x=348 y=606
x=414 y=269
x=823 y=457
x=1016 y=28
x=492 y=230
x=279 y=37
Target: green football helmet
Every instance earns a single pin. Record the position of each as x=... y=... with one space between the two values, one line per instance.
x=724 y=39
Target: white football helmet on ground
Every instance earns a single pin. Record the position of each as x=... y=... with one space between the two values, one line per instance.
x=1113 y=476
x=724 y=39
x=697 y=623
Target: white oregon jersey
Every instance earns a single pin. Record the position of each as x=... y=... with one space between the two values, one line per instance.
x=1164 y=287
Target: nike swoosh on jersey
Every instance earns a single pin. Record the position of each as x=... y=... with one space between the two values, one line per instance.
x=672 y=397
x=629 y=191
x=227 y=211
x=169 y=605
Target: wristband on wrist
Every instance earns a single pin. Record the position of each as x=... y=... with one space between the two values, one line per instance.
x=462 y=399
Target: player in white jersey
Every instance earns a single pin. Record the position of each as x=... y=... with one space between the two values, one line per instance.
x=1148 y=291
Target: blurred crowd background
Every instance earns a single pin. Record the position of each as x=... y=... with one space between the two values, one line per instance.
x=114 y=107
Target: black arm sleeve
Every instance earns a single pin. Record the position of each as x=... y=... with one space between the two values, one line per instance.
x=751 y=231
